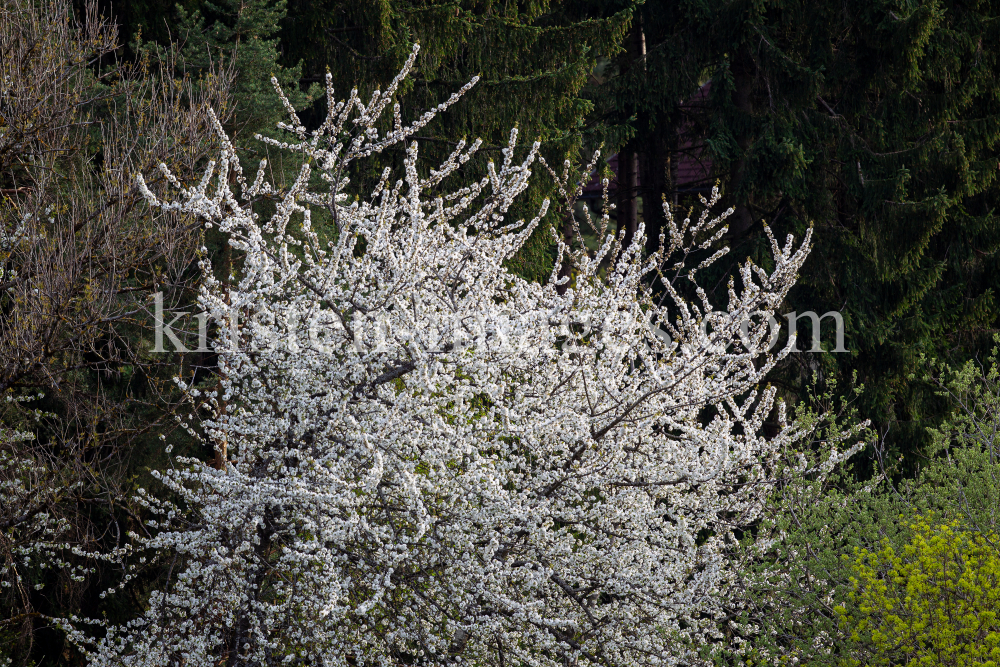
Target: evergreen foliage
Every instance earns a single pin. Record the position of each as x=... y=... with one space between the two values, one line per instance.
x=241 y=34
x=875 y=122
x=532 y=58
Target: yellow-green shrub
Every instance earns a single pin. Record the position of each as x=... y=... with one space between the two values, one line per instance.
x=935 y=601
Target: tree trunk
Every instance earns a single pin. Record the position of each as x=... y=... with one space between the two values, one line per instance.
x=628 y=158
x=628 y=203
x=744 y=71
x=655 y=177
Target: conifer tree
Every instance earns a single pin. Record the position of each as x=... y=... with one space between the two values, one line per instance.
x=875 y=122
x=878 y=125
x=245 y=32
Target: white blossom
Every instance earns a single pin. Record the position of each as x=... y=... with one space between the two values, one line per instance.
x=429 y=460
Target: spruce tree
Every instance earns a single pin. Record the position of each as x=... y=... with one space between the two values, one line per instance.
x=244 y=34
x=885 y=136
x=874 y=122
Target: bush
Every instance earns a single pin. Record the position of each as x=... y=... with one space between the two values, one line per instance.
x=932 y=602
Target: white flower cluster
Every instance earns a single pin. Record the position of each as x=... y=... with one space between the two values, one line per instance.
x=31 y=538
x=433 y=461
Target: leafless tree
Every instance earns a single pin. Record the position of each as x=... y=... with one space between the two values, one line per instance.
x=81 y=257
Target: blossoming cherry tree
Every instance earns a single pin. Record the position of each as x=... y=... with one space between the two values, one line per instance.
x=427 y=460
